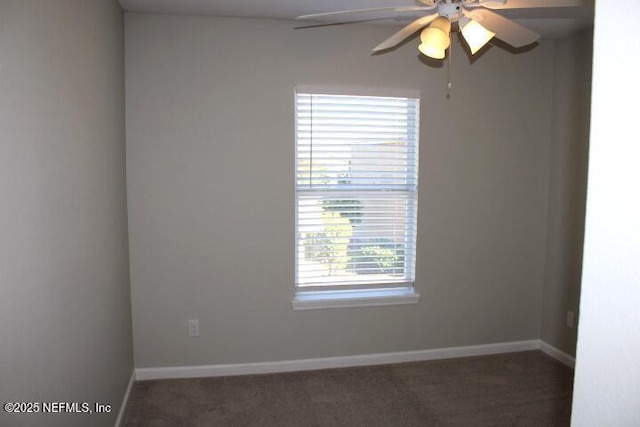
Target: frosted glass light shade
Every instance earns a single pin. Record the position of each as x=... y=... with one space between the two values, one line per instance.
x=476 y=35
x=435 y=38
x=431 y=52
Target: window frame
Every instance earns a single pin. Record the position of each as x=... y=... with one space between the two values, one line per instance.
x=352 y=295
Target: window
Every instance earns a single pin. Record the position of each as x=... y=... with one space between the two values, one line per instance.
x=356 y=197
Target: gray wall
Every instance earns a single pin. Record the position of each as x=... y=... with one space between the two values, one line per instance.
x=65 y=314
x=607 y=381
x=210 y=149
x=567 y=189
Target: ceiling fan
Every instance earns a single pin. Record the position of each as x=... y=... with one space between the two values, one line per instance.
x=475 y=19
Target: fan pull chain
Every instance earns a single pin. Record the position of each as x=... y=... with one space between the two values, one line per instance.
x=449 y=71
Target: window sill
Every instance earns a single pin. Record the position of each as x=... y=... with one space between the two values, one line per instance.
x=309 y=300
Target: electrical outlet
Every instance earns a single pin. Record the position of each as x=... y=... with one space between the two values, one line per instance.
x=570 y=319
x=194 y=328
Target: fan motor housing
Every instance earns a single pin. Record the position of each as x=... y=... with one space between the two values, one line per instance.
x=450 y=10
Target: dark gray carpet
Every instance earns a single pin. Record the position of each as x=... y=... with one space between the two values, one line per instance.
x=515 y=389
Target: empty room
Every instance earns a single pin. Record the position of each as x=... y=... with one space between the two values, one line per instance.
x=357 y=213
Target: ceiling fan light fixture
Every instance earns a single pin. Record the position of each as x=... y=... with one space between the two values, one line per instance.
x=431 y=52
x=436 y=38
x=476 y=35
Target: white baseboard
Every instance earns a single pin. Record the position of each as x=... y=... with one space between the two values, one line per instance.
x=560 y=356
x=332 y=362
x=125 y=401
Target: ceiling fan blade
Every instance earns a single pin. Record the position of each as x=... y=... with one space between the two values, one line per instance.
x=530 y=4
x=491 y=4
x=506 y=30
x=375 y=9
x=405 y=32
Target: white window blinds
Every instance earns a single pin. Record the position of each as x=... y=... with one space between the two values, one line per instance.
x=356 y=190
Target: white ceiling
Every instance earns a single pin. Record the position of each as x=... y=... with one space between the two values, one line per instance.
x=550 y=18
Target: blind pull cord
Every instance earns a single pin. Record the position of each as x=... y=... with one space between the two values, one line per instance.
x=311 y=143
